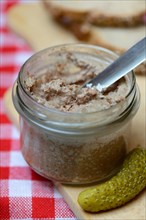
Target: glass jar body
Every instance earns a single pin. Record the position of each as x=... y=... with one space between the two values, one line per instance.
x=75 y=159
x=76 y=148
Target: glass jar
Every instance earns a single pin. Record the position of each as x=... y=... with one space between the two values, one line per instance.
x=71 y=147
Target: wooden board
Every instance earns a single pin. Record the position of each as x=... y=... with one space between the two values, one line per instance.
x=19 y=22
x=32 y=23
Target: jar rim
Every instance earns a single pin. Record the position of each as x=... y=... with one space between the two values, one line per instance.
x=64 y=45
x=67 y=115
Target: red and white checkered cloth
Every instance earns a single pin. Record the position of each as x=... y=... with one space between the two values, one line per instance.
x=23 y=193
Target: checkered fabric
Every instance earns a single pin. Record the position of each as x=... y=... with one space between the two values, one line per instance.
x=23 y=193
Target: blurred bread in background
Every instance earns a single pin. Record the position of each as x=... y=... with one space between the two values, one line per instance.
x=78 y=15
x=115 y=25
x=120 y=13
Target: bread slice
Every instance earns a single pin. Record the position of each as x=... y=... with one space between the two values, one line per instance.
x=119 y=13
x=69 y=17
x=76 y=15
x=125 y=13
x=117 y=38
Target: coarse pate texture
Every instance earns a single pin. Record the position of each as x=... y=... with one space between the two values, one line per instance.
x=62 y=91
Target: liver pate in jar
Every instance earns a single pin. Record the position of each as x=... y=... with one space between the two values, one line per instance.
x=72 y=134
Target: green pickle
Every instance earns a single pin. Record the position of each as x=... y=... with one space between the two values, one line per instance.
x=121 y=188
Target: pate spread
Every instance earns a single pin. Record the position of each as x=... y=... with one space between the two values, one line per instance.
x=60 y=90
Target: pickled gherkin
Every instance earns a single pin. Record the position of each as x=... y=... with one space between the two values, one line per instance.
x=120 y=189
